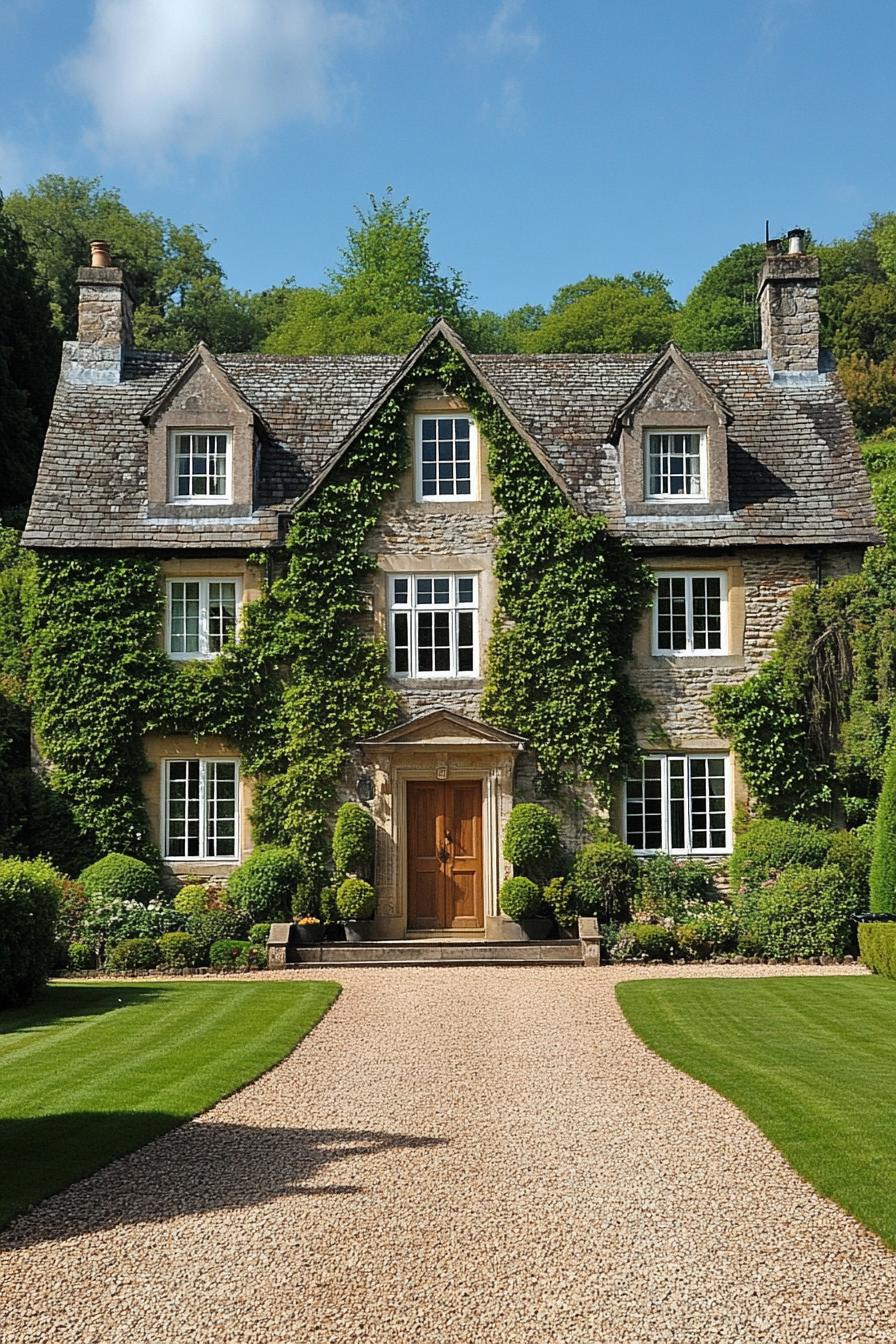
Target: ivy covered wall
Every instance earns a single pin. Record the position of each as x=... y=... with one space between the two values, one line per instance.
x=305 y=681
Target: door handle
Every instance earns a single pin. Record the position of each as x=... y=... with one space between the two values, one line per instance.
x=443 y=854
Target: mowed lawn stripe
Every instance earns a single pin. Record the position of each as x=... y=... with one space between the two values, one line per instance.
x=811 y=1061
x=105 y=1068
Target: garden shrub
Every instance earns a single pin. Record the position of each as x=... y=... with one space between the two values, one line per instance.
x=883 y=863
x=123 y=878
x=559 y=897
x=532 y=841
x=81 y=956
x=29 y=903
x=667 y=885
x=329 y=914
x=354 y=842
x=707 y=930
x=806 y=912
x=644 y=942
x=877 y=945
x=765 y=848
x=258 y=935
x=191 y=899
x=72 y=904
x=180 y=951
x=356 y=899
x=108 y=920
x=134 y=954
x=851 y=852
x=212 y=926
x=264 y=884
x=236 y=954
x=520 y=898
x=604 y=876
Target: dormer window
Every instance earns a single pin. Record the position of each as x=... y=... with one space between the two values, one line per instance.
x=447 y=453
x=675 y=464
x=200 y=466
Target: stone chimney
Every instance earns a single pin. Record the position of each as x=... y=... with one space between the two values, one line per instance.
x=105 y=320
x=788 y=306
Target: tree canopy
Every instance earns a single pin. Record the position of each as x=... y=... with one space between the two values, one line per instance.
x=627 y=313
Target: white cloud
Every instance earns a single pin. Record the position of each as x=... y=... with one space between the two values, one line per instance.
x=199 y=76
x=505 y=35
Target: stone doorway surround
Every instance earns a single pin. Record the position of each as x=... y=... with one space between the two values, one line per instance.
x=440 y=745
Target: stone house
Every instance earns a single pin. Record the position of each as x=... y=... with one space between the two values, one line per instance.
x=736 y=475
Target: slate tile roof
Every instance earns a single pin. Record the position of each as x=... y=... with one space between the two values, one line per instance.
x=795 y=472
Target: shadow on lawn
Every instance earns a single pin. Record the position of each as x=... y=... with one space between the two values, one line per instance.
x=57 y=1003
x=198 y=1168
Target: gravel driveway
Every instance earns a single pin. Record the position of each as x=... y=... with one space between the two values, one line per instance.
x=453 y=1155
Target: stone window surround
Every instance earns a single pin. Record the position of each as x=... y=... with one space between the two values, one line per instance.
x=699 y=655
x=203 y=579
x=182 y=746
x=697 y=497
x=734 y=660
x=715 y=460
x=731 y=796
x=248 y=579
x=240 y=427
x=478 y=564
x=431 y=399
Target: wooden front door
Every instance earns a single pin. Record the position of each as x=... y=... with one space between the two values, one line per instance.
x=444 y=855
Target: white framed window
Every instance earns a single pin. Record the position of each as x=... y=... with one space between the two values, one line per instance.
x=447 y=457
x=200 y=466
x=200 y=616
x=200 y=808
x=690 y=613
x=679 y=805
x=433 y=625
x=675 y=463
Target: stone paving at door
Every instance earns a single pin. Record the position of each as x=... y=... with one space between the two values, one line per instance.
x=454 y=1155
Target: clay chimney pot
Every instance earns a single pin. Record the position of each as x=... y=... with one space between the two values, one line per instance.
x=100 y=254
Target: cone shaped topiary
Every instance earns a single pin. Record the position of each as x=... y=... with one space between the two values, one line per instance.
x=883 y=863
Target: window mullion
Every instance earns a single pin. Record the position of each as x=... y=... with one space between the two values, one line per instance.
x=689 y=612
x=202 y=798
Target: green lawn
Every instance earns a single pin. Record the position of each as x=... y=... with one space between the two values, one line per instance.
x=90 y=1071
x=812 y=1061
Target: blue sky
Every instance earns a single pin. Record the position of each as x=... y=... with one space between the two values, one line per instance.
x=546 y=140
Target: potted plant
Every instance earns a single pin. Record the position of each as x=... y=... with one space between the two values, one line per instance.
x=522 y=902
x=356 y=903
x=308 y=929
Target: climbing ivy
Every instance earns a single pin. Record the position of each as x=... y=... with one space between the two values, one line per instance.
x=305 y=680
x=810 y=728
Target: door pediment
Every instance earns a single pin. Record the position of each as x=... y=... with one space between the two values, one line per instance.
x=442 y=728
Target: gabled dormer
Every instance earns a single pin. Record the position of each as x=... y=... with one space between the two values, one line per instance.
x=672 y=434
x=201 y=442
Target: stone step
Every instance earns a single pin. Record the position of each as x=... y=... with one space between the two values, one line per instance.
x=432 y=953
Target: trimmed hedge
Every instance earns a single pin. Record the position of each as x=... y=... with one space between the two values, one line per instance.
x=807 y=912
x=264 y=885
x=235 y=954
x=191 y=899
x=520 y=898
x=354 y=840
x=668 y=886
x=213 y=926
x=134 y=954
x=121 y=877
x=179 y=951
x=560 y=899
x=604 y=877
x=883 y=864
x=356 y=899
x=877 y=947
x=258 y=934
x=766 y=848
x=532 y=841
x=644 y=942
x=29 y=902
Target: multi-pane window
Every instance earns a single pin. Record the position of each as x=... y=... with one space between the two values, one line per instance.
x=678 y=804
x=201 y=809
x=200 y=466
x=675 y=463
x=446 y=457
x=689 y=614
x=202 y=616
x=433 y=625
